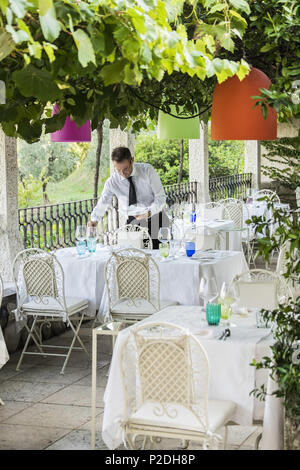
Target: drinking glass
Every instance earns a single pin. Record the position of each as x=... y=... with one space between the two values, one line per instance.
x=164 y=250
x=164 y=234
x=211 y=291
x=190 y=248
x=80 y=233
x=202 y=287
x=228 y=298
x=92 y=237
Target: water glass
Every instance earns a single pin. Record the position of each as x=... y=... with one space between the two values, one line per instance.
x=164 y=250
x=92 y=244
x=81 y=247
x=190 y=248
x=213 y=313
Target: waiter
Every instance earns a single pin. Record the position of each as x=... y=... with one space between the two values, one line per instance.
x=134 y=183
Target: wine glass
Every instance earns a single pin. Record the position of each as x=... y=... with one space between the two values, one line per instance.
x=211 y=292
x=164 y=234
x=80 y=233
x=227 y=298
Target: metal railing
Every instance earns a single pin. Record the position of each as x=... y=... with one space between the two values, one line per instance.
x=53 y=226
x=230 y=186
x=181 y=192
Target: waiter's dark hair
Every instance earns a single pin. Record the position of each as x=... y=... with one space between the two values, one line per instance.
x=119 y=154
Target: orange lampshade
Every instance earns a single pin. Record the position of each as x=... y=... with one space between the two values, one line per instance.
x=233 y=116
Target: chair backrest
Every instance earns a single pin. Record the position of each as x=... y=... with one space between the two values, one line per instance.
x=134 y=235
x=209 y=210
x=259 y=288
x=132 y=274
x=268 y=193
x=229 y=200
x=38 y=277
x=233 y=211
x=172 y=369
x=1 y=290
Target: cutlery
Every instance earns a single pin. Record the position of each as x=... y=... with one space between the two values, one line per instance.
x=222 y=335
x=226 y=334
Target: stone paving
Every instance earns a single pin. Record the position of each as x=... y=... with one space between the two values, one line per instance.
x=46 y=410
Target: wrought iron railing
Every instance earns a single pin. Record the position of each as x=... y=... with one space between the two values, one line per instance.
x=53 y=226
x=230 y=186
x=181 y=192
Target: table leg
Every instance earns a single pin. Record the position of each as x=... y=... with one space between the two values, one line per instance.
x=227 y=241
x=94 y=389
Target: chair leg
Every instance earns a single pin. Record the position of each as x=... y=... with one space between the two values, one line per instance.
x=225 y=437
x=72 y=343
x=130 y=442
x=30 y=335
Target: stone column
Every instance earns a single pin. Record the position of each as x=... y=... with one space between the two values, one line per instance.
x=10 y=240
x=198 y=163
x=252 y=162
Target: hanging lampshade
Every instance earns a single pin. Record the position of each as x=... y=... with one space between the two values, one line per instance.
x=233 y=116
x=70 y=132
x=170 y=127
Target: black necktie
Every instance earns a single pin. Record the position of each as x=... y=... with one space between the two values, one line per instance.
x=132 y=197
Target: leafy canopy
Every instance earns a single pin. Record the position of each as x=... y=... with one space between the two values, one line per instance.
x=122 y=59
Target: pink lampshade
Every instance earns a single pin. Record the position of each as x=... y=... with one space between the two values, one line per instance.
x=70 y=132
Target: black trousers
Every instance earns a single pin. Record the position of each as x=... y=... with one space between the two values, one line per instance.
x=153 y=224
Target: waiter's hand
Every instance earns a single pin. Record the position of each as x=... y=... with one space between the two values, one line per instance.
x=143 y=216
x=92 y=224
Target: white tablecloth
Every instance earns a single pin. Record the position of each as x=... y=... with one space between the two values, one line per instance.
x=3 y=350
x=232 y=377
x=180 y=278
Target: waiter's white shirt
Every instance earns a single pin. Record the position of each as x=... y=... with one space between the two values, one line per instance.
x=148 y=187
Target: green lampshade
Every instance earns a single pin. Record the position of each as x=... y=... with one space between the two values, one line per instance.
x=170 y=127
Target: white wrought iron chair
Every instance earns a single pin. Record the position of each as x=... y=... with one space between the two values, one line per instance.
x=132 y=235
x=133 y=286
x=209 y=210
x=229 y=200
x=173 y=373
x=259 y=288
x=235 y=211
x=268 y=193
x=39 y=280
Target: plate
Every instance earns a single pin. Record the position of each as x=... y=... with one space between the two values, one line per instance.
x=136 y=210
x=204 y=333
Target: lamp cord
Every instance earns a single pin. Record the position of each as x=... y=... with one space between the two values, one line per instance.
x=160 y=109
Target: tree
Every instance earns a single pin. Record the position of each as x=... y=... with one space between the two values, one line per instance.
x=284 y=168
x=89 y=56
x=46 y=161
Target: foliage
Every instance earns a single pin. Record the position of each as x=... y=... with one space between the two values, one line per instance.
x=164 y=156
x=57 y=160
x=105 y=157
x=226 y=158
x=285 y=152
x=28 y=189
x=88 y=56
x=283 y=362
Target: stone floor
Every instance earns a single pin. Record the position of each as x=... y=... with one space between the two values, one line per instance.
x=46 y=410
